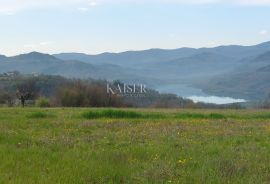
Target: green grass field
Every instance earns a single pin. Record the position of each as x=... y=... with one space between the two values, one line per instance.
x=134 y=146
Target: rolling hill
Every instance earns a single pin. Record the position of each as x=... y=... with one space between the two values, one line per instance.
x=46 y=64
x=250 y=81
x=235 y=71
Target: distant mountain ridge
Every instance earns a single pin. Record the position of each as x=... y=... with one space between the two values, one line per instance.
x=235 y=51
x=235 y=71
x=35 y=62
x=249 y=81
x=2 y=57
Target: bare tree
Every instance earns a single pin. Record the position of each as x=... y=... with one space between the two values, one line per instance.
x=26 y=91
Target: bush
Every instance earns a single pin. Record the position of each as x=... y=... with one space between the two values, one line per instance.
x=7 y=99
x=80 y=94
x=111 y=113
x=43 y=102
x=199 y=116
x=217 y=116
x=37 y=115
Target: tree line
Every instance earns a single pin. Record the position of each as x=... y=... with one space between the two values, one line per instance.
x=57 y=91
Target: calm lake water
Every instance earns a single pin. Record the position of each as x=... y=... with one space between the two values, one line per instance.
x=215 y=99
x=197 y=95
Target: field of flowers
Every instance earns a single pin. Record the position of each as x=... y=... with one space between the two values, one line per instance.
x=134 y=146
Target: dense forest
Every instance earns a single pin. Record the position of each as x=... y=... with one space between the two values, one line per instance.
x=56 y=91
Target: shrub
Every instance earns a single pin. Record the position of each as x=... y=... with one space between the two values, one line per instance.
x=7 y=99
x=200 y=116
x=80 y=94
x=37 y=115
x=190 y=115
x=111 y=113
x=217 y=116
x=43 y=102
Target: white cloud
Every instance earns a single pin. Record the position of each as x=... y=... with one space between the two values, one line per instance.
x=29 y=46
x=37 y=45
x=83 y=9
x=87 y=7
x=263 y=32
x=46 y=43
x=93 y=3
x=195 y=2
x=6 y=10
x=9 y=7
x=254 y=2
x=14 y=6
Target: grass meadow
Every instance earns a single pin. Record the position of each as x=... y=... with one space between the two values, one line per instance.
x=77 y=146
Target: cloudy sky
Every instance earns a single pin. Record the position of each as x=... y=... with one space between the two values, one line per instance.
x=54 y=26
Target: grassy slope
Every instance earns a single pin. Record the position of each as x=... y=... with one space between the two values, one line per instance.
x=144 y=146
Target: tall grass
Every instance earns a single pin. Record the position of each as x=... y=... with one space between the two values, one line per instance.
x=39 y=115
x=111 y=113
x=137 y=150
x=188 y=115
x=129 y=114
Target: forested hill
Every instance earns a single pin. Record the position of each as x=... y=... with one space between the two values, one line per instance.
x=57 y=91
x=234 y=71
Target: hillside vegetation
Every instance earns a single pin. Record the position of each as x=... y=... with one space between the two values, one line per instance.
x=56 y=91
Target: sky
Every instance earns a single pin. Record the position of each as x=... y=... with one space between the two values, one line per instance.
x=92 y=27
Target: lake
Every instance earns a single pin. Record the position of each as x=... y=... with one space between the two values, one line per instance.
x=197 y=95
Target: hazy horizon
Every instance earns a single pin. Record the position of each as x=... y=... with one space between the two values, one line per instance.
x=63 y=52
